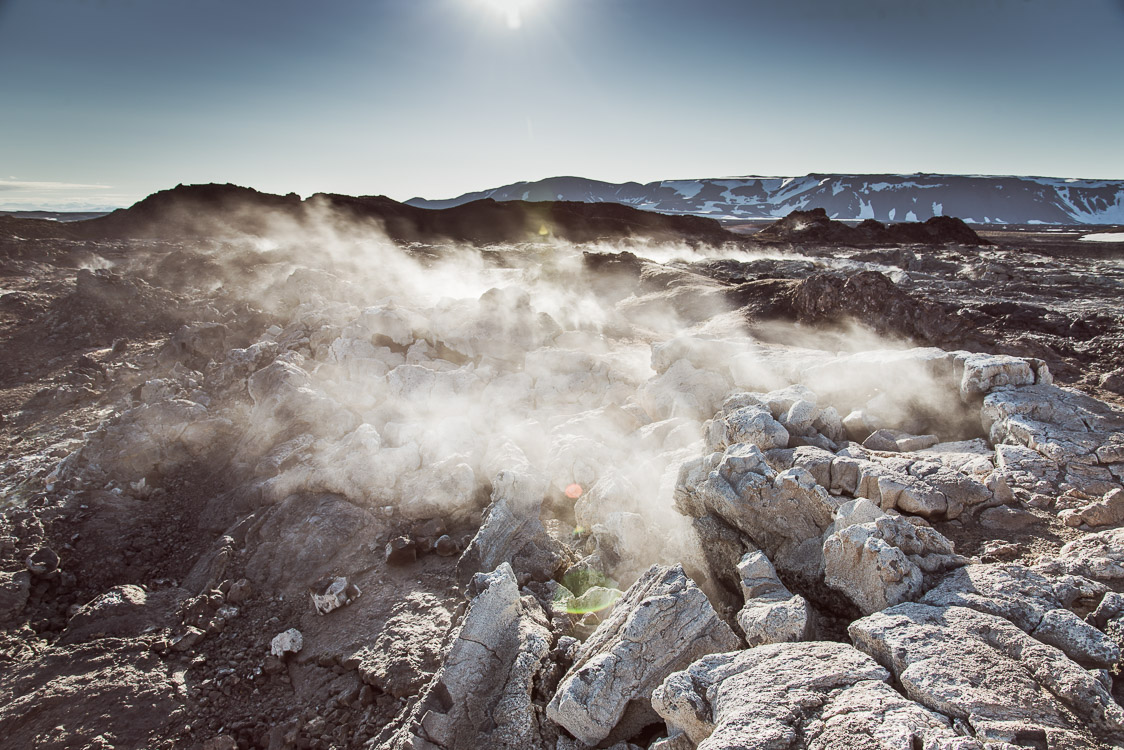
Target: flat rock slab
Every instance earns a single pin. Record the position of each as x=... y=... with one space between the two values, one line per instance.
x=810 y=695
x=984 y=670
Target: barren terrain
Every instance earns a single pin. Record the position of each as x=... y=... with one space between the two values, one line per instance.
x=339 y=474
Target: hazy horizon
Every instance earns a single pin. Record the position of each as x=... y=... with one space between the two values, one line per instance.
x=110 y=101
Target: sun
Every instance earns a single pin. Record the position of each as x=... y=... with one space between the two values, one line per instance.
x=510 y=10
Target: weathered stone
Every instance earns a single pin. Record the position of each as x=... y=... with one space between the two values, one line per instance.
x=880 y=562
x=1108 y=511
x=663 y=623
x=1099 y=556
x=753 y=425
x=984 y=373
x=882 y=440
x=772 y=614
x=407 y=651
x=1029 y=600
x=481 y=697
x=985 y=671
x=814 y=695
x=401 y=550
x=290 y=641
x=335 y=593
x=783 y=514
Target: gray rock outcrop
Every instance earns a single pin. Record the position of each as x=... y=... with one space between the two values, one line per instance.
x=662 y=623
x=812 y=696
x=481 y=695
x=985 y=671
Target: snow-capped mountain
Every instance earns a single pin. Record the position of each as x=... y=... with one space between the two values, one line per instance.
x=977 y=199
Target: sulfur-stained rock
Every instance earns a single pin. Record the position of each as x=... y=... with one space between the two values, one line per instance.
x=661 y=624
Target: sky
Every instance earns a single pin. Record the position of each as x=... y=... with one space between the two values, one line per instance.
x=105 y=101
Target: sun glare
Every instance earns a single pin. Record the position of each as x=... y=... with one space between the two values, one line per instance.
x=510 y=10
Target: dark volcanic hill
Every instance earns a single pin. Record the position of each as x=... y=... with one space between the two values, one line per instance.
x=188 y=211
x=815 y=227
x=978 y=199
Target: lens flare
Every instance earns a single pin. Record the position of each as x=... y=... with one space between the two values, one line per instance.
x=574 y=491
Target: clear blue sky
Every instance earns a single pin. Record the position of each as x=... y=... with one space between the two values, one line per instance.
x=105 y=101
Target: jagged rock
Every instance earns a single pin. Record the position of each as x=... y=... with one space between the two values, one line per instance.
x=445 y=546
x=1078 y=440
x=661 y=624
x=287 y=642
x=401 y=550
x=983 y=373
x=880 y=562
x=512 y=532
x=882 y=440
x=1108 y=511
x=1029 y=600
x=187 y=639
x=1099 y=556
x=481 y=697
x=812 y=695
x=333 y=594
x=983 y=670
x=772 y=613
x=747 y=424
x=1114 y=381
x=783 y=514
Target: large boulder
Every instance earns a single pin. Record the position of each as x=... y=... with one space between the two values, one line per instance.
x=811 y=695
x=783 y=514
x=877 y=560
x=662 y=623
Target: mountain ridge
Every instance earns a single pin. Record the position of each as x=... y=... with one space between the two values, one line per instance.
x=978 y=199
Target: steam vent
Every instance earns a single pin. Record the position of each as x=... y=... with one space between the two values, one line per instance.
x=343 y=472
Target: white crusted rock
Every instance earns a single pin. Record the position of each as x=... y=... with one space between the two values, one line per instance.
x=772 y=613
x=812 y=695
x=983 y=670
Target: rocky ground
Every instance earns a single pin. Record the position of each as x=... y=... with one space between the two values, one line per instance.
x=313 y=488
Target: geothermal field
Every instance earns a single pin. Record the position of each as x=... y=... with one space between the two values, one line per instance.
x=347 y=473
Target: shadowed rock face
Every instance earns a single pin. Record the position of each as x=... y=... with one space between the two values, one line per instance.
x=315 y=488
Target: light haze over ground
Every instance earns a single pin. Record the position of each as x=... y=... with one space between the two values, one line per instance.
x=103 y=102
